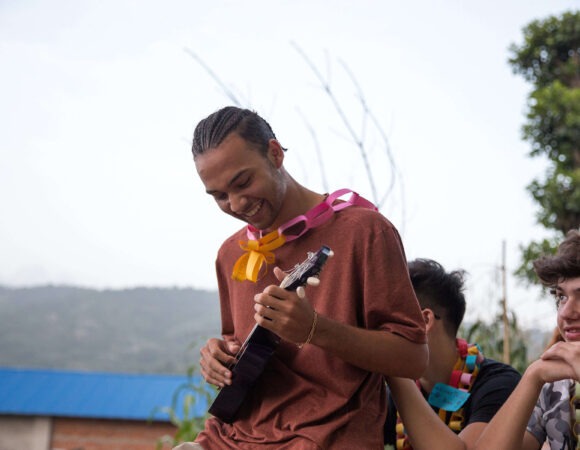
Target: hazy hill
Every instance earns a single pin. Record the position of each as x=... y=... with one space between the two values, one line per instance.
x=154 y=330
x=132 y=330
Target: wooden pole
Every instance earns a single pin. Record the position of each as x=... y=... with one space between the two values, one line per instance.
x=506 y=326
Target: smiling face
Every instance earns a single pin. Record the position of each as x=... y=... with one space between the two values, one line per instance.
x=568 y=302
x=245 y=183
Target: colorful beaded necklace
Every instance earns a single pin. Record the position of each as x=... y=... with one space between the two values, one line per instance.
x=449 y=398
x=259 y=248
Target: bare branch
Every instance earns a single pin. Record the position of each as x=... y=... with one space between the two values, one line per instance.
x=217 y=79
x=357 y=140
x=317 y=148
x=379 y=128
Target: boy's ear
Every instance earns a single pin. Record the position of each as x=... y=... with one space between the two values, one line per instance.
x=428 y=317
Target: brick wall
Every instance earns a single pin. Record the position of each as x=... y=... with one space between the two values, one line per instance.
x=97 y=434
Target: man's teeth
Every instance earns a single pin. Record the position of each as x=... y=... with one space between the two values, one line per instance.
x=254 y=210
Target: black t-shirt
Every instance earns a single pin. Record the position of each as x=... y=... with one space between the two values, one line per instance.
x=493 y=385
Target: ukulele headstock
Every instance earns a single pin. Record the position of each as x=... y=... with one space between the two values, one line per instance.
x=310 y=267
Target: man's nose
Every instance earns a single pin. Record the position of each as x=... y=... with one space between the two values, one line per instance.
x=571 y=309
x=237 y=203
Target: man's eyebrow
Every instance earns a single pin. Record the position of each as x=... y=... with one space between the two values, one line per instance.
x=558 y=289
x=235 y=178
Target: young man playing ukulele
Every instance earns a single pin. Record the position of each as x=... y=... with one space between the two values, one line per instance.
x=323 y=388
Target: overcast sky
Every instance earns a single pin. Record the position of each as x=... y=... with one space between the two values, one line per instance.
x=99 y=100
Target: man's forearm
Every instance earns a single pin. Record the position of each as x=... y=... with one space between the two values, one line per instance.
x=372 y=350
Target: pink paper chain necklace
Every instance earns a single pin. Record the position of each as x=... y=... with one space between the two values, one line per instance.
x=259 y=248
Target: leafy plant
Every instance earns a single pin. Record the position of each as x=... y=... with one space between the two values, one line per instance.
x=489 y=337
x=187 y=400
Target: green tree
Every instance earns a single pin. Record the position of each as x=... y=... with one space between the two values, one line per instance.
x=549 y=58
x=489 y=337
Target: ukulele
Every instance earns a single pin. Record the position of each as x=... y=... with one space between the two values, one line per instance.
x=259 y=346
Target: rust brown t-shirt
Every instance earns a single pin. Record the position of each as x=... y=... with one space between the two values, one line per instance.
x=306 y=398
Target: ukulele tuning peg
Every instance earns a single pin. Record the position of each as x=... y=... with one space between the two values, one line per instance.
x=313 y=281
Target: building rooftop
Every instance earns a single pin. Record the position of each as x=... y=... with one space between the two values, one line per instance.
x=57 y=393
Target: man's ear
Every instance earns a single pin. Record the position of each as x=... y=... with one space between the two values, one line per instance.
x=275 y=153
x=429 y=318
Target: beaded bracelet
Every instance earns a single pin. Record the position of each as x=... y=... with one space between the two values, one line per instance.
x=312 y=330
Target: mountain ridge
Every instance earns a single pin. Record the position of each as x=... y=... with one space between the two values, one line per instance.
x=135 y=330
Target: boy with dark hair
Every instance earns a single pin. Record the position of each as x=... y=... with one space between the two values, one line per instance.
x=450 y=405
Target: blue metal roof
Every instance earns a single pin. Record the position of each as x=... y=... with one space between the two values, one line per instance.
x=54 y=393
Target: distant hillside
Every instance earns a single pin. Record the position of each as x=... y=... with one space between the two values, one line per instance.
x=153 y=330
x=141 y=330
